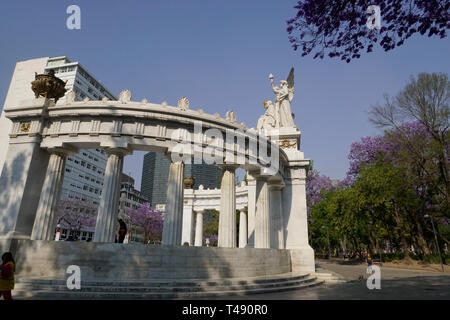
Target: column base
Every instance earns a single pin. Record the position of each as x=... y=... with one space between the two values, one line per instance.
x=9 y=241
x=302 y=259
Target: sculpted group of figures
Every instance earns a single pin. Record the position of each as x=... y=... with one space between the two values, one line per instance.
x=278 y=114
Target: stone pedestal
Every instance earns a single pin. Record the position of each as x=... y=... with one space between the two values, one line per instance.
x=294 y=205
x=276 y=216
x=294 y=216
x=173 y=220
x=227 y=217
x=199 y=229
x=105 y=229
x=262 y=219
x=243 y=230
x=44 y=224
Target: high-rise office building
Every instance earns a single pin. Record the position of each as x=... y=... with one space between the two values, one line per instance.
x=155 y=173
x=85 y=171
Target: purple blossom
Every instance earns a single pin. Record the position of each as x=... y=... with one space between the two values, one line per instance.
x=445 y=222
x=363 y=152
x=74 y=214
x=147 y=218
x=315 y=185
x=213 y=239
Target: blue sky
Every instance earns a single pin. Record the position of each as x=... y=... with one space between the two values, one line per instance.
x=219 y=54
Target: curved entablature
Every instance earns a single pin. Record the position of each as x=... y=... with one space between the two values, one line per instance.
x=148 y=127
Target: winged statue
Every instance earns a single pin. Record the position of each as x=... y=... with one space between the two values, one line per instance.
x=284 y=95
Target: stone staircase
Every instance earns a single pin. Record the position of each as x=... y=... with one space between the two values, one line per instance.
x=329 y=278
x=163 y=289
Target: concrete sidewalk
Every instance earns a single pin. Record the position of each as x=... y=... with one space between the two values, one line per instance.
x=396 y=284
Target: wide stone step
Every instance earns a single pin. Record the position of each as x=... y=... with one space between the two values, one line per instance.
x=167 y=289
x=329 y=278
x=48 y=293
x=153 y=283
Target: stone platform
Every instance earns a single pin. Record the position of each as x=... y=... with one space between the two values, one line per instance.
x=112 y=261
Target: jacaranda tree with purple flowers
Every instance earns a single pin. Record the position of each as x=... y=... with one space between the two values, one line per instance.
x=316 y=186
x=395 y=180
x=76 y=215
x=148 y=220
x=337 y=28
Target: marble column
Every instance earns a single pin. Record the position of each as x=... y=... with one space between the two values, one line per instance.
x=173 y=220
x=276 y=214
x=188 y=229
x=243 y=230
x=251 y=212
x=262 y=219
x=199 y=229
x=44 y=224
x=227 y=216
x=105 y=229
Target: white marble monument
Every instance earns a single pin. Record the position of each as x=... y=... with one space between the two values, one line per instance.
x=272 y=206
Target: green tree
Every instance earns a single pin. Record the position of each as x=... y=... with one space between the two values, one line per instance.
x=424 y=99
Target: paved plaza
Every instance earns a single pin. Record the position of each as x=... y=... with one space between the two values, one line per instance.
x=395 y=284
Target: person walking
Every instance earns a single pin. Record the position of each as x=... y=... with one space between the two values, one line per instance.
x=122 y=230
x=7 y=269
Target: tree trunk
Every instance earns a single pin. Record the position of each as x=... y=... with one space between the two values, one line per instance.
x=398 y=219
x=372 y=242
x=420 y=237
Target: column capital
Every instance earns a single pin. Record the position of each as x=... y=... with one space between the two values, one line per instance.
x=245 y=209
x=118 y=151
x=256 y=175
x=228 y=167
x=63 y=151
x=276 y=185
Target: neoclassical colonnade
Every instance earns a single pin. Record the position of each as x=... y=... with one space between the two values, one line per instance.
x=269 y=219
x=272 y=211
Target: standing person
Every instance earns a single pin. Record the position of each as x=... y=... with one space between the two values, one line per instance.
x=7 y=269
x=368 y=259
x=122 y=230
